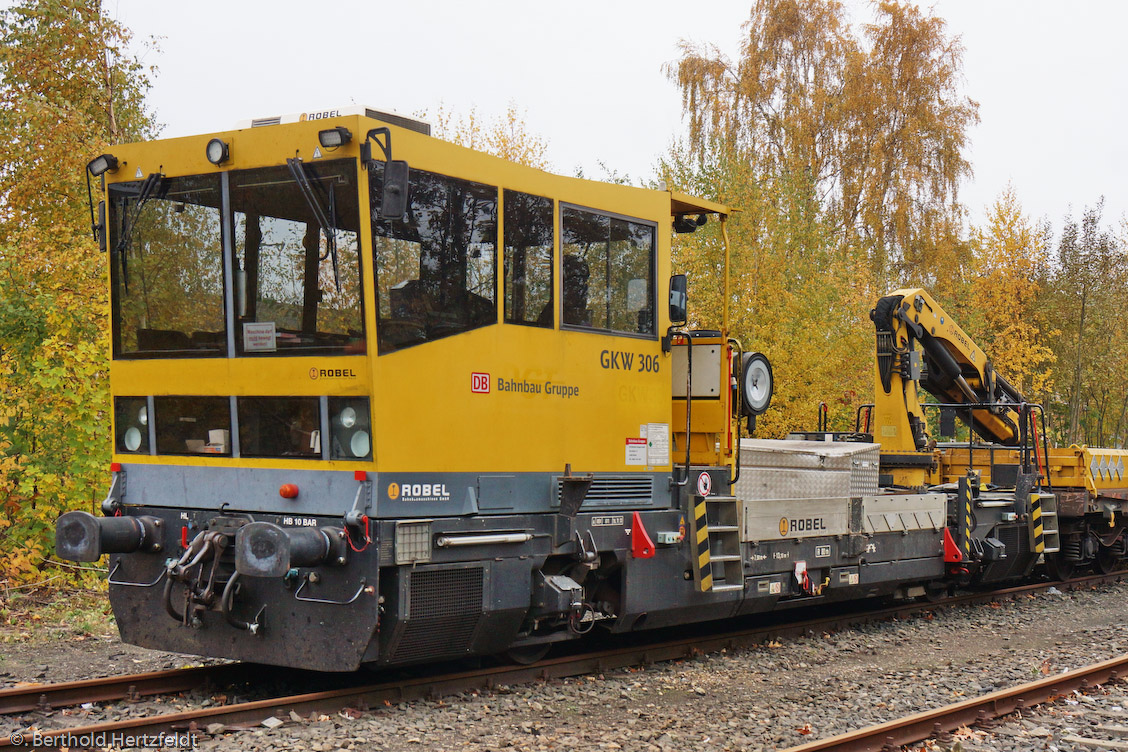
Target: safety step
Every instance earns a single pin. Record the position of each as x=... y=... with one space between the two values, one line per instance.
x=726 y=588
x=715 y=527
x=1044 y=532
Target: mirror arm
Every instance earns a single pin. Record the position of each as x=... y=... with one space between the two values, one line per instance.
x=95 y=227
x=385 y=145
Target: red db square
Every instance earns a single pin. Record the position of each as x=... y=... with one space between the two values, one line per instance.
x=480 y=383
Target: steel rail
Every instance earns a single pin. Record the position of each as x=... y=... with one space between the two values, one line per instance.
x=47 y=697
x=431 y=687
x=976 y=711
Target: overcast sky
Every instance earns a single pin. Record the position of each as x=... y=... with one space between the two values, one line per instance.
x=588 y=76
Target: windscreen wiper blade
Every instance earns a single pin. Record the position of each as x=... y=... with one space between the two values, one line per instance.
x=149 y=186
x=297 y=169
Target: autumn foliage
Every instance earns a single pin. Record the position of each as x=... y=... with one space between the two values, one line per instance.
x=69 y=90
x=843 y=144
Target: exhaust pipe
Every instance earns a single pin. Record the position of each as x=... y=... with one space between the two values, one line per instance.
x=80 y=536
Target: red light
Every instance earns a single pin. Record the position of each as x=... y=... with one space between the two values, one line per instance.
x=360 y=475
x=184 y=537
x=115 y=467
x=288 y=491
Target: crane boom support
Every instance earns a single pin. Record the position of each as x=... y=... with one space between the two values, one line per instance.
x=948 y=365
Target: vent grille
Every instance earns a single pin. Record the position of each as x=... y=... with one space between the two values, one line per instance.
x=615 y=491
x=266 y=121
x=443 y=592
x=444 y=607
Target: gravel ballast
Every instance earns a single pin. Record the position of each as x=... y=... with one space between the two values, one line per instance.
x=768 y=697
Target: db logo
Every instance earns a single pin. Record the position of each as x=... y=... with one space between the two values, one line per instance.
x=783 y=526
x=704 y=484
x=393 y=491
x=480 y=383
x=313 y=374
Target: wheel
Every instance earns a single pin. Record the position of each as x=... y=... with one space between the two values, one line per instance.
x=1107 y=562
x=526 y=655
x=1058 y=568
x=935 y=592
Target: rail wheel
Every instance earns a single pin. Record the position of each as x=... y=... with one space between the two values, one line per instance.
x=1059 y=568
x=527 y=654
x=1107 y=561
x=935 y=592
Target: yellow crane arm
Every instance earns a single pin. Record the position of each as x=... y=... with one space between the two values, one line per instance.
x=949 y=365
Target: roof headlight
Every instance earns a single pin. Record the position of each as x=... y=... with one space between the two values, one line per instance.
x=334 y=137
x=101 y=164
x=217 y=151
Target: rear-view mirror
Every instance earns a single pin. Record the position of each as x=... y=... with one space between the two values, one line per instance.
x=397 y=180
x=678 y=300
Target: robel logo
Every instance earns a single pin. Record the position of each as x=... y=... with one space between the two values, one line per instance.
x=418 y=492
x=801 y=525
x=331 y=373
x=318 y=115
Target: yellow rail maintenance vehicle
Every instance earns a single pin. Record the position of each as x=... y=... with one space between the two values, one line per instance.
x=380 y=399
x=1075 y=497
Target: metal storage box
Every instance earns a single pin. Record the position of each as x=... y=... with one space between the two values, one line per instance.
x=786 y=469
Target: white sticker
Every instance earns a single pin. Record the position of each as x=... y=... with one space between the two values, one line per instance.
x=259 y=336
x=139 y=173
x=614 y=520
x=704 y=484
x=658 y=443
x=636 y=452
x=317 y=152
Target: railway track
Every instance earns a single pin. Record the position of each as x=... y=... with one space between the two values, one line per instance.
x=982 y=712
x=357 y=694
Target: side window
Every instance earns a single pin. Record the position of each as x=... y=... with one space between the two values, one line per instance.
x=528 y=259
x=435 y=267
x=608 y=272
x=167 y=268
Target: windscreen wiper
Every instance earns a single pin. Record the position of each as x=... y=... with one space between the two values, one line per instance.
x=298 y=170
x=149 y=186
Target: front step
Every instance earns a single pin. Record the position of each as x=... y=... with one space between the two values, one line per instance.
x=715 y=526
x=1044 y=535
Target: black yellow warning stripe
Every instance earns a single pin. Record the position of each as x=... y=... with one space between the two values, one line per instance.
x=1036 y=523
x=699 y=529
x=966 y=520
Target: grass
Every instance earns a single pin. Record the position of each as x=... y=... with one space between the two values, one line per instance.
x=52 y=614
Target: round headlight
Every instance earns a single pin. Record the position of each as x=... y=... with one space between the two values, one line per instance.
x=217 y=151
x=360 y=445
x=756 y=383
x=348 y=418
x=143 y=416
x=133 y=439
